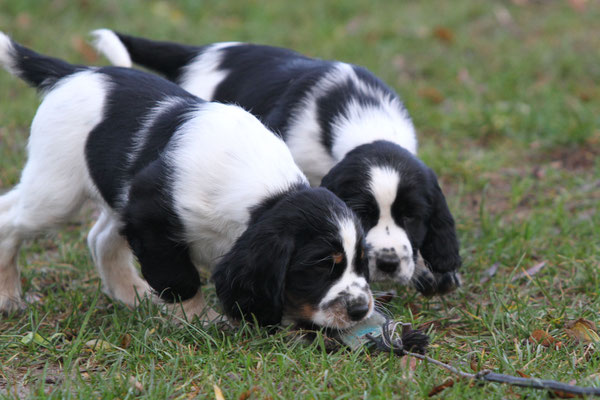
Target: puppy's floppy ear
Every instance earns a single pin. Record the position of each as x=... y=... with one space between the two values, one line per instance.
x=250 y=279
x=440 y=247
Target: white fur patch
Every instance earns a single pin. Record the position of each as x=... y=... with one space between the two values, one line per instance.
x=366 y=124
x=114 y=260
x=386 y=234
x=202 y=75
x=225 y=163
x=6 y=53
x=360 y=125
x=304 y=140
x=349 y=287
x=109 y=44
x=55 y=180
x=304 y=136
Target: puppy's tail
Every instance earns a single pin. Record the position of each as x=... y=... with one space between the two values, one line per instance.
x=166 y=58
x=38 y=70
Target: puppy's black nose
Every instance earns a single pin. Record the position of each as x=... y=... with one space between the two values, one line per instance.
x=357 y=310
x=387 y=261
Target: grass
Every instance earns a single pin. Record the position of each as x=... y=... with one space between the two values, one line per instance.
x=505 y=97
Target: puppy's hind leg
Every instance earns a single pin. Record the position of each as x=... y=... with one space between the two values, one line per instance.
x=51 y=190
x=114 y=260
x=10 y=282
x=28 y=210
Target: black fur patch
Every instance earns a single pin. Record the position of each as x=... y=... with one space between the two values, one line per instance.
x=155 y=235
x=132 y=96
x=282 y=262
x=419 y=208
x=151 y=225
x=167 y=57
x=40 y=71
x=270 y=82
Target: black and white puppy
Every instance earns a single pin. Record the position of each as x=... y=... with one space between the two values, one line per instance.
x=182 y=184
x=345 y=128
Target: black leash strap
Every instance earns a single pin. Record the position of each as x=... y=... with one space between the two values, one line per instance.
x=414 y=343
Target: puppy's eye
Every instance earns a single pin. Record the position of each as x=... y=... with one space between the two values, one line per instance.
x=337 y=257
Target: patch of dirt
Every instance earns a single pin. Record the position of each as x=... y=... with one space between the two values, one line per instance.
x=21 y=383
x=571 y=158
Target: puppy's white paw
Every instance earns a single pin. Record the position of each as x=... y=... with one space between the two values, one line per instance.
x=11 y=302
x=130 y=292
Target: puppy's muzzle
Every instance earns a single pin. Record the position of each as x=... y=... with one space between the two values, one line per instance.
x=357 y=309
x=387 y=261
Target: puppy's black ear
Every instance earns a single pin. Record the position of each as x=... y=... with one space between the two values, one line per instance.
x=440 y=248
x=250 y=279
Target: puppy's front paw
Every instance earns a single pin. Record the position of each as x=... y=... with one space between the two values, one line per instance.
x=431 y=283
x=11 y=304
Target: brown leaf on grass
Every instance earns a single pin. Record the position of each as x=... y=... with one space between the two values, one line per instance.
x=125 y=341
x=530 y=272
x=218 y=393
x=23 y=20
x=82 y=47
x=474 y=363
x=449 y=382
x=246 y=395
x=523 y=374
x=489 y=273
x=431 y=94
x=541 y=337
x=443 y=34
x=582 y=331
x=585 y=95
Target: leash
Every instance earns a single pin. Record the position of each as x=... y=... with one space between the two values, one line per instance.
x=382 y=334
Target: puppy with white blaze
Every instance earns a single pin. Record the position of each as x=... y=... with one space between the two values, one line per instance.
x=182 y=184
x=346 y=130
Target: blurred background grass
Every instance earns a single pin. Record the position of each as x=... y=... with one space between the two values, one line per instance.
x=505 y=96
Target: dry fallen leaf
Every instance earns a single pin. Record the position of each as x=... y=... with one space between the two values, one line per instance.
x=474 y=363
x=582 y=331
x=431 y=94
x=125 y=340
x=218 y=393
x=449 y=382
x=443 y=34
x=539 y=336
x=96 y=344
x=23 y=20
x=246 y=395
x=530 y=272
x=489 y=273
x=523 y=374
